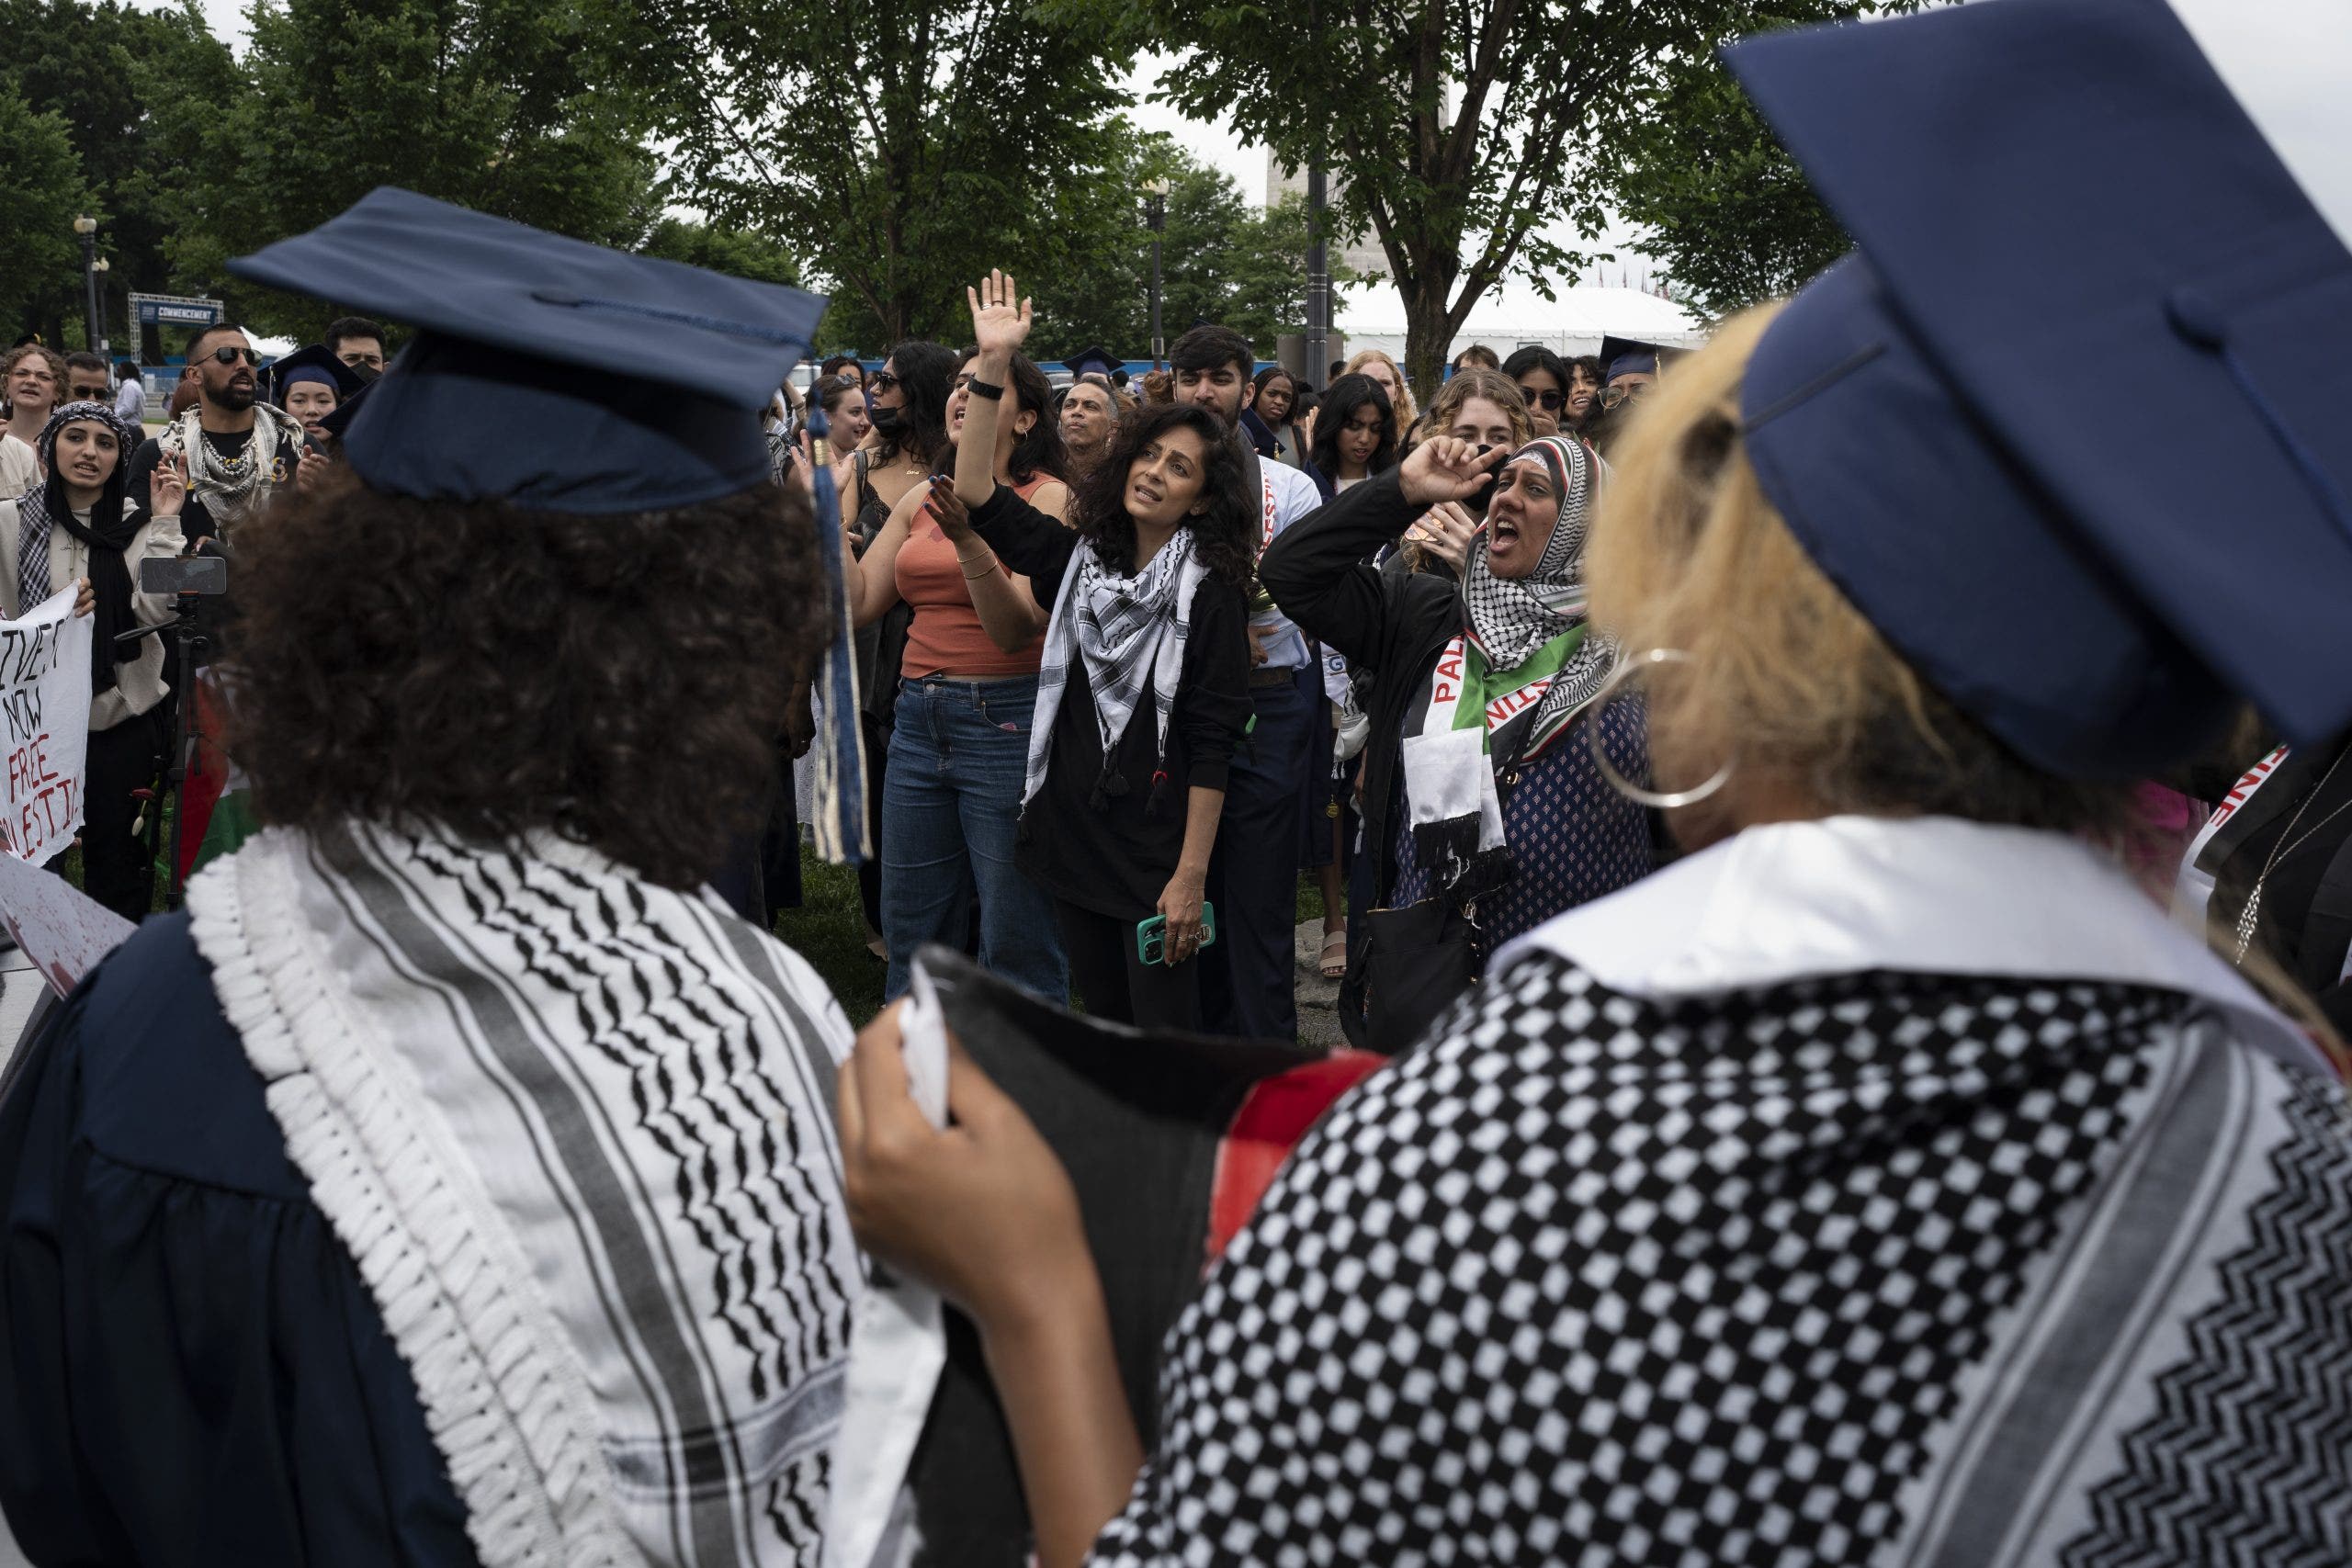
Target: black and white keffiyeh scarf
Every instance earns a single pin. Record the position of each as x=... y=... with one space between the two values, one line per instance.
x=1524 y=665
x=1817 y=1259
x=1130 y=631
x=232 y=488
x=111 y=525
x=575 y=1131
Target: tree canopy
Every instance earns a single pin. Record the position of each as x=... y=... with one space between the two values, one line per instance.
x=1721 y=203
x=1468 y=133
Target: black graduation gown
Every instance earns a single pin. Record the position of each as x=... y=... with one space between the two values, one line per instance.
x=191 y=1369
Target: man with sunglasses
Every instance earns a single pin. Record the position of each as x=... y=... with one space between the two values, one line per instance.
x=238 y=449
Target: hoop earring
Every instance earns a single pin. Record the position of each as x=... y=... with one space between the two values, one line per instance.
x=1655 y=800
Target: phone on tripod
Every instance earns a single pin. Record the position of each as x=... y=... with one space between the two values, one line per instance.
x=183 y=574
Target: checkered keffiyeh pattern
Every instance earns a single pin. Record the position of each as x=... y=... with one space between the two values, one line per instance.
x=1130 y=631
x=1592 y=1279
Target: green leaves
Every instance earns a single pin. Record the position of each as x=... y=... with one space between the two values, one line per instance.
x=41 y=190
x=1464 y=131
x=1722 y=204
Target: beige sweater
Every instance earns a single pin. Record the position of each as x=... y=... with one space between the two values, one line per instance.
x=138 y=684
x=19 y=467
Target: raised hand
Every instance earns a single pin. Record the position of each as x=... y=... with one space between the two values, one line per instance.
x=167 y=484
x=1446 y=469
x=1001 y=318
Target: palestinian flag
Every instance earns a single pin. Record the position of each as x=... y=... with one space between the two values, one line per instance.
x=215 y=814
x=1171 y=1140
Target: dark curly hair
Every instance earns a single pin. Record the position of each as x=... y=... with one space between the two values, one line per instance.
x=1041 y=451
x=1348 y=395
x=620 y=681
x=926 y=374
x=1225 y=536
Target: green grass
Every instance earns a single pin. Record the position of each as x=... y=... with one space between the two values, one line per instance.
x=828 y=931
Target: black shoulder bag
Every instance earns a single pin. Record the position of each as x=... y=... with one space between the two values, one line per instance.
x=1417 y=960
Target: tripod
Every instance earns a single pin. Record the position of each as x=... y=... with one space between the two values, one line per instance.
x=188 y=641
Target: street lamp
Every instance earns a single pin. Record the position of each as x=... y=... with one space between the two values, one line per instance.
x=93 y=330
x=1155 y=212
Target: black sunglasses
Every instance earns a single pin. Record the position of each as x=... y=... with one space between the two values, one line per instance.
x=231 y=355
x=1551 y=400
x=880 y=381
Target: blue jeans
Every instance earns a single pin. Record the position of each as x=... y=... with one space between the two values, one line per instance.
x=959 y=750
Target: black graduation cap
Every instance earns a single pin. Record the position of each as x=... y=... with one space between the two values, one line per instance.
x=314 y=363
x=1094 y=358
x=2097 y=581
x=1635 y=354
x=547 y=372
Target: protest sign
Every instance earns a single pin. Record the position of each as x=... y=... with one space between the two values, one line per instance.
x=45 y=722
x=64 y=931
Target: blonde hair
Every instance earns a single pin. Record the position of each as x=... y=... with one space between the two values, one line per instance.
x=1785 y=677
x=1492 y=385
x=1408 y=411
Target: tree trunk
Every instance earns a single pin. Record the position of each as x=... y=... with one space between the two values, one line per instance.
x=1428 y=329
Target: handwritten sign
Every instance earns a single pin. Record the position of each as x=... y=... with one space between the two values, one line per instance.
x=64 y=932
x=44 y=725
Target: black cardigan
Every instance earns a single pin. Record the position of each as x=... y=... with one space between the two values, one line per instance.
x=1115 y=857
x=1395 y=624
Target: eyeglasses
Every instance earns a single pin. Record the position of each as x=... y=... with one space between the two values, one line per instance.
x=231 y=355
x=880 y=381
x=1617 y=395
x=1551 y=400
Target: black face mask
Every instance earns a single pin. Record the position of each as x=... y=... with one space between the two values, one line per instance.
x=886 y=420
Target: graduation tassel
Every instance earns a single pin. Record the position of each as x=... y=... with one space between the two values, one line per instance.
x=838 y=814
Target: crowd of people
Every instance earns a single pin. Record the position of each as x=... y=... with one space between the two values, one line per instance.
x=1841 y=881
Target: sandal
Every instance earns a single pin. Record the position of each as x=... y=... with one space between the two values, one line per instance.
x=1334 y=965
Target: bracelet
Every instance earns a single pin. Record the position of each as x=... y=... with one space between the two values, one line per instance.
x=980 y=389
x=976 y=576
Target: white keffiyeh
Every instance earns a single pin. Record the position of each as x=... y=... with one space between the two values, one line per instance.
x=1131 y=631
x=575 y=1131
x=232 y=488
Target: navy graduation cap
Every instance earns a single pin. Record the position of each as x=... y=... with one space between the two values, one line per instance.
x=314 y=364
x=2099 y=554
x=1093 y=358
x=547 y=372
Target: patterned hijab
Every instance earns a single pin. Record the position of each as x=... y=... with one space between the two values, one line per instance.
x=108 y=533
x=1510 y=618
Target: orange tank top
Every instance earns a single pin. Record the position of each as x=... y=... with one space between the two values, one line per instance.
x=946 y=633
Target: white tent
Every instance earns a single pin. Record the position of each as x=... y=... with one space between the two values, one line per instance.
x=1514 y=316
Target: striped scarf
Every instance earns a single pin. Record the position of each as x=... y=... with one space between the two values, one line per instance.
x=575 y=1131
x=1130 y=631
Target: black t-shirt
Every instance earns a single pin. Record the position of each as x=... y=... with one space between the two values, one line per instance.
x=2321 y=828
x=196 y=521
x=1115 y=856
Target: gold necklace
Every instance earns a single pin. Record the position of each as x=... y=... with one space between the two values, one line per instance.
x=2252 y=913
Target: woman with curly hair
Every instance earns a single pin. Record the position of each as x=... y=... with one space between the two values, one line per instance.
x=1144 y=692
x=456 y=1154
